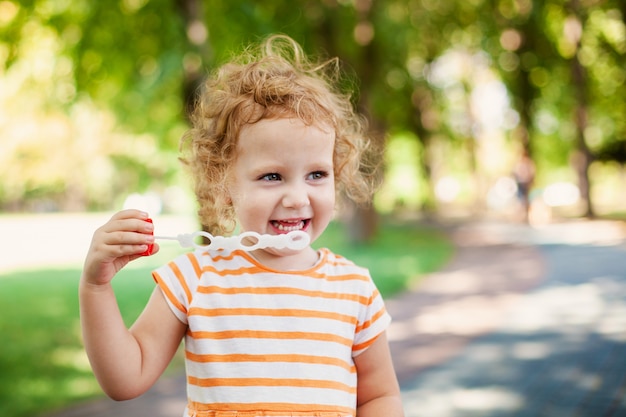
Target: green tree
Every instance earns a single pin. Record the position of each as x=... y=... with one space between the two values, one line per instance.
x=117 y=78
x=112 y=72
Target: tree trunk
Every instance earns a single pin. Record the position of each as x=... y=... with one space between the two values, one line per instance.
x=198 y=36
x=362 y=221
x=582 y=157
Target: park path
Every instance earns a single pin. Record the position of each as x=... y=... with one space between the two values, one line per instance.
x=558 y=351
x=521 y=322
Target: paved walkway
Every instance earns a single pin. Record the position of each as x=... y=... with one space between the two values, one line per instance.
x=559 y=348
x=522 y=322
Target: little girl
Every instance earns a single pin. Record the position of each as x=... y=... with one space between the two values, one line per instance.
x=269 y=332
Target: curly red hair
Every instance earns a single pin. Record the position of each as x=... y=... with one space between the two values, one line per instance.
x=273 y=80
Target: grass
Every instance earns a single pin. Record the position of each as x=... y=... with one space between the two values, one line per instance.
x=398 y=255
x=43 y=366
x=616 y=215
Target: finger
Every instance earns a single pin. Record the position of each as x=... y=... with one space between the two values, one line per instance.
x=127 y=238
x=148 y=251
x=127 y=233
x=130 y=214
x=151 y=250
x=131 y=224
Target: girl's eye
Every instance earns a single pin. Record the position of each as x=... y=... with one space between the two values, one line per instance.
x=271 y=177
x=318 y=175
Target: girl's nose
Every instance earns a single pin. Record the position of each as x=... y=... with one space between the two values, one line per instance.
x=296 y=197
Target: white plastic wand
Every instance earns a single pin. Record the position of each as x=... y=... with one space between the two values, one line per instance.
x=248 y=241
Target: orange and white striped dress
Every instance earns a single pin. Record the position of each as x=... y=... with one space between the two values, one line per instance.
x=262 y=342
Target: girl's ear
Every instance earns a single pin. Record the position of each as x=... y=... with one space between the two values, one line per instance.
x=225 y=190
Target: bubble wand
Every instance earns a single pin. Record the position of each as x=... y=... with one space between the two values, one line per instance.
x=247 y=241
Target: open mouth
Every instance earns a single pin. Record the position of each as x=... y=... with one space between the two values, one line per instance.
x=290 y=225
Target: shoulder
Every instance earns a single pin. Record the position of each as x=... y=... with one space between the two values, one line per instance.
x=338 y=267
x=332 y=259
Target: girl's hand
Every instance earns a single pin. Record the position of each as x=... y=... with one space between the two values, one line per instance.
x=127 y=236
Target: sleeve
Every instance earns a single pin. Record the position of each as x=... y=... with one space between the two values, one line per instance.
x=178 y=281
x=373 y=320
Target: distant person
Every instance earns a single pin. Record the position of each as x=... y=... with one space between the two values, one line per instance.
x=524 y=174
x=272 y=332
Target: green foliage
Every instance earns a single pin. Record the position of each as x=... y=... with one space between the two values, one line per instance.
x=117 y=76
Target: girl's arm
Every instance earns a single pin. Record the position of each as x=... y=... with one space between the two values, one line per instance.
x=126 y=362
x=378 y=393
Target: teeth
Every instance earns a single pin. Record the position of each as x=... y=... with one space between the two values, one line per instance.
x=289 y=228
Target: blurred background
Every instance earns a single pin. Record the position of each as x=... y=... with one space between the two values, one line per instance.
x=511 y=110
x=481 y=104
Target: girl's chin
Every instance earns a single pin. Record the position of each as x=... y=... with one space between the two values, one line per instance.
x=282 y=252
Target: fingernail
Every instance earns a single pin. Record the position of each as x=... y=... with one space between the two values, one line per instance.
x=148 y=251
x=150 y=239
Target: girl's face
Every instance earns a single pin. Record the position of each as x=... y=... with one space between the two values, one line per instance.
x=283 y=180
